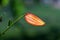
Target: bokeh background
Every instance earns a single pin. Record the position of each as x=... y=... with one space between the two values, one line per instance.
x=47 y=10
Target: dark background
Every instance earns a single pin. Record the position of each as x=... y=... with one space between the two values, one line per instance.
x=21 y=30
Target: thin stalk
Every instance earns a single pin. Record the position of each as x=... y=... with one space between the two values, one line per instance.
x=11 y=25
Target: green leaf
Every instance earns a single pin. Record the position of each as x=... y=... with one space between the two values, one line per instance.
x=5 y=2
x=9 y=22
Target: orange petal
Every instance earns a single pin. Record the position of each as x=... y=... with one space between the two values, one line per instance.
x=34 y=20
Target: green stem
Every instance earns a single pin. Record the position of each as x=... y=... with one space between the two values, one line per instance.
x=11 y=25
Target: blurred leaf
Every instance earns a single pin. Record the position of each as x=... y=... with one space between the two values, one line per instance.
x=5 y=2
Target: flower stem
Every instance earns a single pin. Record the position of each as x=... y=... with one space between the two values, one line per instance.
x=11 y=25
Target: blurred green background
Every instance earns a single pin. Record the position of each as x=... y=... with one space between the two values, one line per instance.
x=21 y=30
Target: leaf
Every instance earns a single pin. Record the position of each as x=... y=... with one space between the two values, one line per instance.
x=5 y=2
x=18 y=8
x=9 y=22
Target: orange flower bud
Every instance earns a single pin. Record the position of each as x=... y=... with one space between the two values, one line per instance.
x=34 y=20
